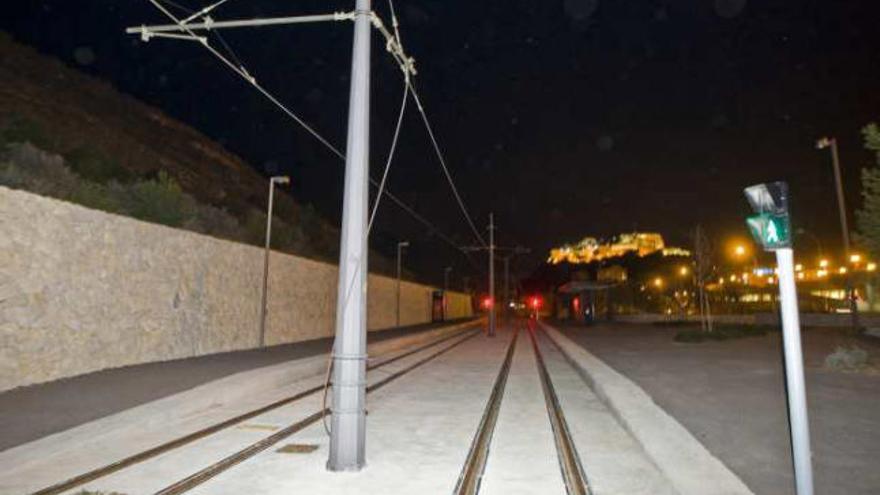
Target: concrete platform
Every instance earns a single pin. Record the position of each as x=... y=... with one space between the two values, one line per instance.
x=36 y=411
x=91 y=445
x=420 y=429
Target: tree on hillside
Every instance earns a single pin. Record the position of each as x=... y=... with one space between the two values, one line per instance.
x=702 y=274
x=868 y=217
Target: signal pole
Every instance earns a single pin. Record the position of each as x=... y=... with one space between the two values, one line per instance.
x=771 y=228
x=348 y=418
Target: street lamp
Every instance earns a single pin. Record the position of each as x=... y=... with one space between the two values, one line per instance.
x=278 y=179
x=831 y=143
x=400 y=246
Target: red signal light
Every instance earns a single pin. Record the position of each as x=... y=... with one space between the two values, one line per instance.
x=535 y=302
x=487 y=302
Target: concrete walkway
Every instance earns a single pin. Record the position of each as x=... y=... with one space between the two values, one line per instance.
x=30 y=413
x=730 y=395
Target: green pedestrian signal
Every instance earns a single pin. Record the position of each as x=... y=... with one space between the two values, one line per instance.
x=770 y=225
x=771 y=231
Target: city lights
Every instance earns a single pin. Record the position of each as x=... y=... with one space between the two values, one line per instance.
x=683 y=271
x=842 y=270
x=823 y=263
x=871 y=267
x=658 y=282
x=855 y=258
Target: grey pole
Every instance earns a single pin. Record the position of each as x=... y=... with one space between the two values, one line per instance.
x=400 y=246
x=794 y=374
x=841 y=206
x=491 y=275
x=264 y=301
x=348 y=419
x=506 y=286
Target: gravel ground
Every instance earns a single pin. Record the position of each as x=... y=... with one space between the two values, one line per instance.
x=29 y=413
x=730 y=395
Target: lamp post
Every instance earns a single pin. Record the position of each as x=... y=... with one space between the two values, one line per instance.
x=279 y=179
x=445 y=290
x=400 y=246
x=831 y=143
x=491 y=275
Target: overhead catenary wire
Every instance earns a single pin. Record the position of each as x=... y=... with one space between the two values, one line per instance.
x=395 y=47
x=239 y=69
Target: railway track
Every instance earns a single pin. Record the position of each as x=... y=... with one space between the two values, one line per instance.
x=569 y=461
x=211 y=471
x=571 y=469
x=475 y=464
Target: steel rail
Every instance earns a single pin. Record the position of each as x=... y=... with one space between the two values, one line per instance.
x=475 y=464
x=242 y=455
x=176 y=443
x=569 y=461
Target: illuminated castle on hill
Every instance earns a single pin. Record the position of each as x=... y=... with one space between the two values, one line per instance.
x=589 y=249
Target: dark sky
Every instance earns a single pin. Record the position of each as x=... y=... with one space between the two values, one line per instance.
x=567 y=118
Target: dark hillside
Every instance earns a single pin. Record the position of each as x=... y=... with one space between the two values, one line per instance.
x=106 y=136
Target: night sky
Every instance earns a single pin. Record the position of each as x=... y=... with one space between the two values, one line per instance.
x=566 y=118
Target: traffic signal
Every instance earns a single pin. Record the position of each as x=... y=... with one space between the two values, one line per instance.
x=535 y=302
x=770 y=225
x=771 y=231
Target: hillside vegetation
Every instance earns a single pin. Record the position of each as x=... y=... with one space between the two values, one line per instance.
x=75 y=137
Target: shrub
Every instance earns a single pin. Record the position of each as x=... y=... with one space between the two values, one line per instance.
x=160 y=201
x=93 y=166
x=97 y=196
x=847 y=359
x=24 y=130
x=696 y=335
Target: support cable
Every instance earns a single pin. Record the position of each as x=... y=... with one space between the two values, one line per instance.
x=203 y=12
x=148 y=33
x=376 y=203
x=394 y=46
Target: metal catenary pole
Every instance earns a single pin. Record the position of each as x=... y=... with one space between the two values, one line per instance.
x=794 y=374
x=491 y=275
x=348 y=419
x=264 y=299
x=841 y=206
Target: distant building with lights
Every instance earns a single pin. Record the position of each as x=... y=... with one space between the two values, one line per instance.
x=590 y=249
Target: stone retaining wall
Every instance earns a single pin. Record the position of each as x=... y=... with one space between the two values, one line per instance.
x=82 y=290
